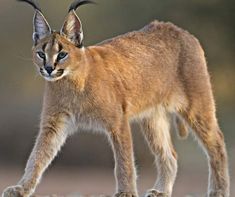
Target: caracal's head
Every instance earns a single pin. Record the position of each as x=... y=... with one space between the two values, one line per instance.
x=54 y=52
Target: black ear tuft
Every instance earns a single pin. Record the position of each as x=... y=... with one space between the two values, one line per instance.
x=72 y=28
x=78 y=3
x=32 y=3
x=41 y=27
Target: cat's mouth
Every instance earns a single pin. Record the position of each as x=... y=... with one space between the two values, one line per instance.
x=54 y=75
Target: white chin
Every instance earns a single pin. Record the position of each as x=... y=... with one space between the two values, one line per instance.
x=53 y=79
x=48 y=78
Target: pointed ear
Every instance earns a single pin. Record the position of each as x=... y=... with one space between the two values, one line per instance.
x=72 y=29
x=41 y=27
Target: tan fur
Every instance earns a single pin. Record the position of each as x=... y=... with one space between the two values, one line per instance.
x=146 y=75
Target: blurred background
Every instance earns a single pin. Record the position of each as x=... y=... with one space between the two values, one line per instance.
x=85 y=164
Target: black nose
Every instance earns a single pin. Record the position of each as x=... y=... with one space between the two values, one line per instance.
x=49 y=69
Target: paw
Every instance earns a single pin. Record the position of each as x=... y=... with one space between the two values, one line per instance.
x=14 y=191
x=217 y=194
x=125 y=194
x=155 y=193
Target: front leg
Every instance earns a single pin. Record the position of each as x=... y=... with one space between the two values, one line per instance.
x=125 y=172
x=52 y=135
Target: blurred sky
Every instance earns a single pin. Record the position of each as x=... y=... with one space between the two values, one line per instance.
x=21 y=88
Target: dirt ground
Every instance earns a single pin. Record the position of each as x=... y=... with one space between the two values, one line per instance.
x=74 y=182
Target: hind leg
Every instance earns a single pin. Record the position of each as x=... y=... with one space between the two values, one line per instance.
x=199 y=111
x=156 y=130
x=206 y=128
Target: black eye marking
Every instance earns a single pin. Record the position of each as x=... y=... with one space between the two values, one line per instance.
x=41 y=55
x=61 y=55
x=44 y=47
x=60 y=47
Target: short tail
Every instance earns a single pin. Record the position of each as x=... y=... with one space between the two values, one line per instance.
x=182 y=127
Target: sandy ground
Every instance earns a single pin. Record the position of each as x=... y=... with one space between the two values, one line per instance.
x=70 y=182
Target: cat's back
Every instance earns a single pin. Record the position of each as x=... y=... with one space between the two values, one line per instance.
x=154 y=33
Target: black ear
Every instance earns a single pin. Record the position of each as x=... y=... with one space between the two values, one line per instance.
x=41 y=27
x=72 y=29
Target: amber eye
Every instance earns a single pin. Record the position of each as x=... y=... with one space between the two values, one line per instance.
x=41 y=55
x=61 y=55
